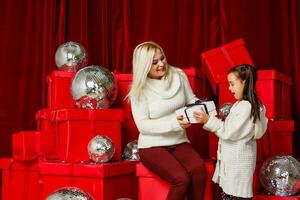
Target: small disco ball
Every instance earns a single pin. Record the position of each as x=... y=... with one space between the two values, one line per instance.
x=131 y=151
x=70 y=57
x=225 y=110
x=101 y=149
x=280 y=175
x=69 y=193
x=94 y=87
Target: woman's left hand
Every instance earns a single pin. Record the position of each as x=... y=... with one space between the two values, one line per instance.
x=183 y=123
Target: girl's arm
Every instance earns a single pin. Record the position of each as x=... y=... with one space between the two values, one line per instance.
x=236 y=126
x=261 y=125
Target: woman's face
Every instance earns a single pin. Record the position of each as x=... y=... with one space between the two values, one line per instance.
x=236 y=86
x=159 y=65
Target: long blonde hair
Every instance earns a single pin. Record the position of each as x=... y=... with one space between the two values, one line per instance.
x=143 y=55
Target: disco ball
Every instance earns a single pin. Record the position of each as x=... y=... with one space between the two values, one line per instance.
x=280 y=175
x=225 y=110
x=69 y=193
x=70 y=57
x=94 y=87
x=101 y=149
x=131 y=151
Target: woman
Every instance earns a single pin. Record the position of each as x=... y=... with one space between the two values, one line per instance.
x=157 y=91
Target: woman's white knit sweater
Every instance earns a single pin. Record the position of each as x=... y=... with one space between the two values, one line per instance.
x=237 y=148
x=154 y=111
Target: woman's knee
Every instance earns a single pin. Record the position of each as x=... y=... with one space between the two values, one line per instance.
x=181 y=178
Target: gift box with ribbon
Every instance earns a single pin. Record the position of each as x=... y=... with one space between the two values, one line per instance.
x=114 y=180
x=20 y=180
x=74 y=129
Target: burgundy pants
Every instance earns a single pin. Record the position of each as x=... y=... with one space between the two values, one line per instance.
x=181 y=166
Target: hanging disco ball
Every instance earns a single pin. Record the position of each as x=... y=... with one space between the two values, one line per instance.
x=69 y=193
x=131 y=151
x=94 y=87
x=280 y=175
x=101 y=149
x=225 y=110
x=70 y=57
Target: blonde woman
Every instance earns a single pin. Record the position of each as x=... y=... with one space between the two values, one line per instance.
x=157 y=91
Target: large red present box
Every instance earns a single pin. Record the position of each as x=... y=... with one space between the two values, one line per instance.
x=74 y=128
x=26 y=145
x=218 y=61
x=108 y=181
x=20 y=180
x=152 y=187
x=273 y=89
x=59 y=90
x=278 y=133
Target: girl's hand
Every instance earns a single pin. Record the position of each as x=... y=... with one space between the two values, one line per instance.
x=201 y=117
x=183 y=123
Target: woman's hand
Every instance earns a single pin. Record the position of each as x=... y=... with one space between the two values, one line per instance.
x=201 y=117
x=183 y=123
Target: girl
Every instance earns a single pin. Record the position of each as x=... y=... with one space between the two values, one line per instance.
x=157 y=91
x=246 y=122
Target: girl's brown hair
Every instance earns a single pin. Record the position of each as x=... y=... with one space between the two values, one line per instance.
x=248 y=73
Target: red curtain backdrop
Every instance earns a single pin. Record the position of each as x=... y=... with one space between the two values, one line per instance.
x=32 y=30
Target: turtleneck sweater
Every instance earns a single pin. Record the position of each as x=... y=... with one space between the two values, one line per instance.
x=154 y=111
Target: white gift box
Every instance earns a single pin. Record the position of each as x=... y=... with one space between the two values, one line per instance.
x=208 y=107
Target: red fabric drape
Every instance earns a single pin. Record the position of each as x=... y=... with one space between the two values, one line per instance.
x=31 y=31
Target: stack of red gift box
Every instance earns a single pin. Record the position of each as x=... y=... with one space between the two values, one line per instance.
x=273 y=89
x=56 y=155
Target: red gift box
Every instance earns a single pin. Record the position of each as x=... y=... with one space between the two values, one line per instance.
x=107 y=181
x=274 y=90
x=59 y=90
x=218 y=61
x=76 y=127
x=124 y=82
x=280 y=136
x=20 y=180
x=26 y=145
x=152 y=187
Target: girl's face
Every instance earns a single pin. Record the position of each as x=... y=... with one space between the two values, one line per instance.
x=159 y=65
x=236 y=86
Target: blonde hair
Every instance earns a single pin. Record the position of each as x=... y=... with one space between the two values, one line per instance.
x=143 y=55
